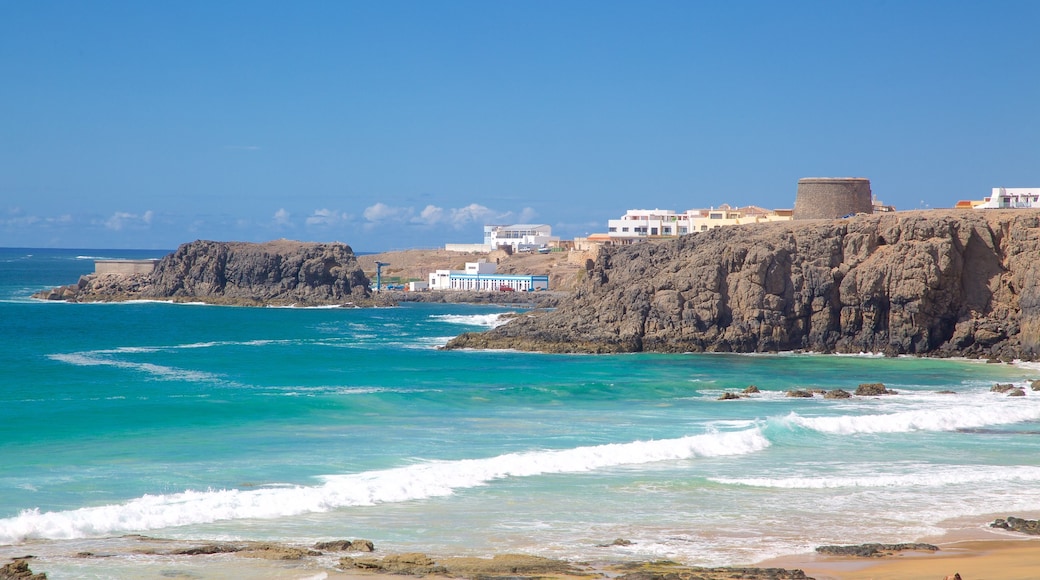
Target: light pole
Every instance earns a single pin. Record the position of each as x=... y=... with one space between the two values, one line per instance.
x=379 y=275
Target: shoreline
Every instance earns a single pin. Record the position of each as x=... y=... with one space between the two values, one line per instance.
x=973 y=551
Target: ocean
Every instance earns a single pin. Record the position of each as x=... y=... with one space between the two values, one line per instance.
x=296 y=425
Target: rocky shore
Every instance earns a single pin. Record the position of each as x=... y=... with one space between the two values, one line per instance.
x=275 y=273
x=359 y=558
x=938 y=283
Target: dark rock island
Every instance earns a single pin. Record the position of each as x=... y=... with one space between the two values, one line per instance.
x=938 y=282
x=281 y=272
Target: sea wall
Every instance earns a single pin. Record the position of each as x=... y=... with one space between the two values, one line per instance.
x=940 y=282
x=280 y=272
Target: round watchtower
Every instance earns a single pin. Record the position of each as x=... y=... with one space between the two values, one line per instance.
x=832 y=197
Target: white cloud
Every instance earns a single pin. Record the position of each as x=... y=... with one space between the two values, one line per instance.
x=122 y=219
x=282 y=217
x=380 y=212
x=473 y=212
x=430 y=214
x=325 y=217
x=527 y=215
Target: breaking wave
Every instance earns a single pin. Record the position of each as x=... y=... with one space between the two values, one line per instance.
x=413 y=482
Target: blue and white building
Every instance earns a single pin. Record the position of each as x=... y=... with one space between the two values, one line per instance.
x=483 y=276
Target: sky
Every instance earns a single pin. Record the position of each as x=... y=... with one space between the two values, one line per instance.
x=410 y=124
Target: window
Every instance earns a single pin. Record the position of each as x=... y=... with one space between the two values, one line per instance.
x=614 y=228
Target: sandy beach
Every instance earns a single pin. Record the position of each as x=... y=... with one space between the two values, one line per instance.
x=975 y=554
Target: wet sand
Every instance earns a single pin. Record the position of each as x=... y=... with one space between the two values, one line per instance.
x=974 y=555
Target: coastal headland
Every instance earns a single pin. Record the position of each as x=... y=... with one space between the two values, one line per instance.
x=935 y=283
x=284 y=272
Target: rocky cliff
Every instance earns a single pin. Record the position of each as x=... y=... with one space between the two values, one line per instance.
x=274 y=273
x=939 y=282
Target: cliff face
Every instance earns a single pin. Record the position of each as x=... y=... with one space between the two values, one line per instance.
x=279 y=272
x=933 y=282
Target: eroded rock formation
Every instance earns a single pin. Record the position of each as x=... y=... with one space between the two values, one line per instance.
x=940 y=282
x=273 y=273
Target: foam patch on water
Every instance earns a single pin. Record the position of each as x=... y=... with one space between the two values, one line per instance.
x=409 y=483
x=163 y=372
x=485 y=320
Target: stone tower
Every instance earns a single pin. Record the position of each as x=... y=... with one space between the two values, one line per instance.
x=832 y=197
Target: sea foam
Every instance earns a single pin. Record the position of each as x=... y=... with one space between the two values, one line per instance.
x=412 y=482
x=986 y=412
x=921 y=476
x=487 y=320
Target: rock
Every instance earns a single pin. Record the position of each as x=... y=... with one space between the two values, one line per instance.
x=346 y=546
x=18 y=569
x=671 y=571
x=800 y=394
x=836 y=394
x=1011 y=523
x=872 y=390
x=281 y=272
x=1016 y=392
x=1035 y=385
x=1001 y=388
x=939 y=282
x=945 y=392
x=952 y=577
x=507 y=566
x=751 y=389
x=727 y=396
x=206 y=549
x=276 y=552
x=874 y=550
x=410 y=563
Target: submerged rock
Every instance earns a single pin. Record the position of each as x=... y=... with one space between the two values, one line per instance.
x=1011 y=523
x=873 y=390
x=874 y=550
x=346 y=546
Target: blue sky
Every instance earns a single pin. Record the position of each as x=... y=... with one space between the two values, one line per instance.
x=390 y=124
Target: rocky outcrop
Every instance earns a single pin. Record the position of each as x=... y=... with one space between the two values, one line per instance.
x=274 y=273
x=940 y=282
x=875 y=550
x=1011 y=523
x=18 y=569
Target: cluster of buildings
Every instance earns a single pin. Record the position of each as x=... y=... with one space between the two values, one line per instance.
x=817 y=198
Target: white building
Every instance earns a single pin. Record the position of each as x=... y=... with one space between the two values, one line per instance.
x=483 y=276
x=1010 y=197
x=639 y=224
x=519 y=236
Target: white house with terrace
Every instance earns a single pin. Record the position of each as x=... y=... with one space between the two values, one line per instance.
x=642 y=224
x=1007 y=198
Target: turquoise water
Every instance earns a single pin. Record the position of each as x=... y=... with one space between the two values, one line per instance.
x=206 y=422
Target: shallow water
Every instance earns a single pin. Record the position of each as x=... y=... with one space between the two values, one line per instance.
x=298 y=425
